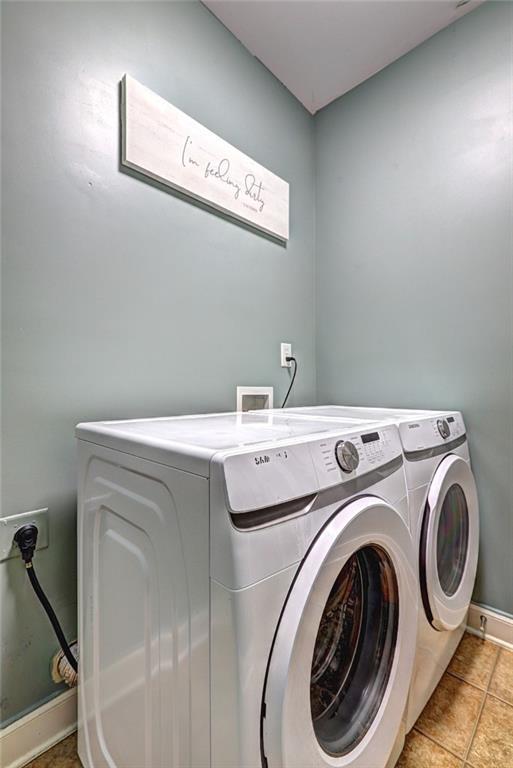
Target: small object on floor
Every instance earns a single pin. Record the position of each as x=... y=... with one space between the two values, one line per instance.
x=62 y=671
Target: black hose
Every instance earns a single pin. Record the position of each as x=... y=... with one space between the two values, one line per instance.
x=38 y=589
x=292 y=360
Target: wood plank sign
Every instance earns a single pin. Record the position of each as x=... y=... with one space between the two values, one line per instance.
x=162 y=142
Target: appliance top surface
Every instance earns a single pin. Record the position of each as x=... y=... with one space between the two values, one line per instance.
x=214 y=432
x=366 y=412
x=190 y=442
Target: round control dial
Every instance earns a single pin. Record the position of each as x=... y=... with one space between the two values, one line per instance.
x=346 y=455
x=443 y=428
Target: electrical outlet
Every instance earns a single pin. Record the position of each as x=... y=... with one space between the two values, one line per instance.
x=285 y=351
x=9 y=526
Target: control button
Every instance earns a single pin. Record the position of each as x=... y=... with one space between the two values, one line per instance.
x=346 y=455
x=443 y=428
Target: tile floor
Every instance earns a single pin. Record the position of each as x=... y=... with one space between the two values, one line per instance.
x=467 y=723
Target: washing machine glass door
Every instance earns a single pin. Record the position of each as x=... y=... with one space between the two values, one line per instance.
x=449 y=544
x=341 y=662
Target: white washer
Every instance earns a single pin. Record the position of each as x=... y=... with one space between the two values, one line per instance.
x=247 y=590
x=444 y=520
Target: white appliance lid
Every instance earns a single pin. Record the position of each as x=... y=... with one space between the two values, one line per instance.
x=364 y=412
x=190 y=442
x=223 y=431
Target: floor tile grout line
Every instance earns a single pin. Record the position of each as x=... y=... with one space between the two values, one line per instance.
x=490 y=675
x=493 y=670
x=499 y=698
x=474 y=729
x=438 y=743
x=476 y=725
x=463 y=680
x=489 y=692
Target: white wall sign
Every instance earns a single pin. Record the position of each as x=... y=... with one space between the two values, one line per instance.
x=160 y=141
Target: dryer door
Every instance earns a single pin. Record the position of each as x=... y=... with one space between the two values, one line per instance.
x=342 y=657
x=449 y=544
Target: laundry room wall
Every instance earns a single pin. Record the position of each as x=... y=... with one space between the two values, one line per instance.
x=121 y=299
x=415 y=250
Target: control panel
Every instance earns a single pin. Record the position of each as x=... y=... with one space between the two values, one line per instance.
x=347 y=456
x=443 y=427
x=275 y=474
x=431 y=431
x=354 y=454
x=271 y=475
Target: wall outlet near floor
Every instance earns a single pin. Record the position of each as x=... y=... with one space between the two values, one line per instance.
x=9 y=526
x=285 y=351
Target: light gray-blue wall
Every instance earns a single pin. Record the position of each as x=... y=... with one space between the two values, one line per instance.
x=415 y=253
x=120 y=299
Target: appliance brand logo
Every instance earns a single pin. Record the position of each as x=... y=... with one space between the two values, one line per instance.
x=262 y=460
x=413 y=426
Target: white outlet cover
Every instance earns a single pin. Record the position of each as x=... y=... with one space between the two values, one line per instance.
x=285 y=351
x=9 y=526
x=264 y=394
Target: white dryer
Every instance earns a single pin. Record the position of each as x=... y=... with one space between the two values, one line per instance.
x=444 y=520
x=247 y=590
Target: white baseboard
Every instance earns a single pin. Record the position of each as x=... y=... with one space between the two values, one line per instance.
x=499 y=628
x=38 y=731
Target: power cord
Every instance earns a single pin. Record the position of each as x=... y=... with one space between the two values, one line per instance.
x=26 y=539
x=290 y=360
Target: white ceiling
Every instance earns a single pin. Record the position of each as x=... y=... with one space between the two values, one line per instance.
x=320 y=49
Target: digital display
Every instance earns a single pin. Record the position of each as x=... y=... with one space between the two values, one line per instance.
x=370 y=437
x=450 y=419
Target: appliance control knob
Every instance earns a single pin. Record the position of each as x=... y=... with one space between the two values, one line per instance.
x=443 y=428
x=346 y=455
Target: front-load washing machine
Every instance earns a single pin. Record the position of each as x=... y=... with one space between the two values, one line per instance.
x=444 y=521
x=247 y=593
